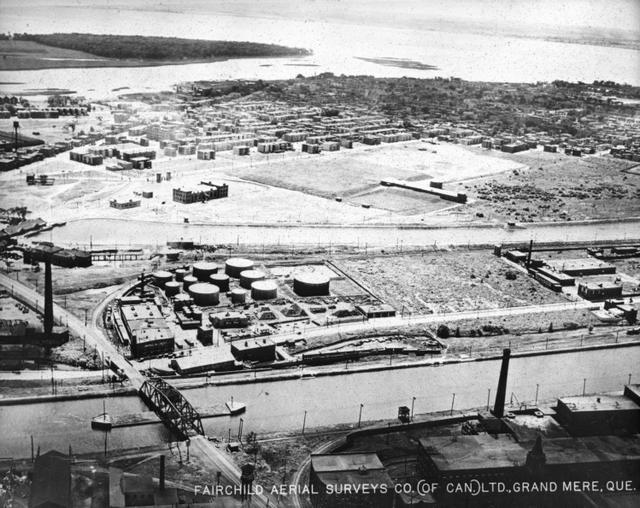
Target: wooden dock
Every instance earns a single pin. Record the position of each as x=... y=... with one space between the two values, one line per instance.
x=150 y=418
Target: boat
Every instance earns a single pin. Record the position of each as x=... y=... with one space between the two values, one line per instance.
x=235 y=408
x=103 y=421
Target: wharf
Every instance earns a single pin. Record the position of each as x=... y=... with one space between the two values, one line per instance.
x=150 y=418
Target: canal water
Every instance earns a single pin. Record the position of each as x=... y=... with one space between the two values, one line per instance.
x=103 y=231
x=281 y=405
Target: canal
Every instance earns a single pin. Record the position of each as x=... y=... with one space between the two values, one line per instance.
x=110 y=232
x=280 y=405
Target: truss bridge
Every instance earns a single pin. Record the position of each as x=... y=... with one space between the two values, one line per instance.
x=171 y=406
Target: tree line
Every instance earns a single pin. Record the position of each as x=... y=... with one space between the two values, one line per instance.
x=159 y=48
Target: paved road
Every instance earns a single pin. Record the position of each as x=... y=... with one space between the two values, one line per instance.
x=423 y=319
x=93 y=336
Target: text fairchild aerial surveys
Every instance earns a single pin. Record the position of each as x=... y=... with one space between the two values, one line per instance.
x=320 y=254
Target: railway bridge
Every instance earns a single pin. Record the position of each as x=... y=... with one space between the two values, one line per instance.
x=172 y=407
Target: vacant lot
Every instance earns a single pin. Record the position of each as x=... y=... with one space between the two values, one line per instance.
x=558 y=187
x=447 y=282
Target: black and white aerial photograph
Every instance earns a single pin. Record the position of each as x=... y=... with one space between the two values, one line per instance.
x=319 y=253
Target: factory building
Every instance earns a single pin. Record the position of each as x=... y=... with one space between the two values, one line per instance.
x=204 y=192
x=376 y=310
x=229 y=319
x=310 y=284
x=371 y=485
x=217 y=359
x=146 y=330
x=254 y=350
x=600 y=291
x=593 y=415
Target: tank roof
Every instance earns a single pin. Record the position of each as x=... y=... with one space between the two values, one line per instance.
x=204 y=288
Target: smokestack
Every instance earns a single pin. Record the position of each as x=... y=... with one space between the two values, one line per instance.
x=161 y=472
x=498 y=407
x=48 y=299
x=529 y=255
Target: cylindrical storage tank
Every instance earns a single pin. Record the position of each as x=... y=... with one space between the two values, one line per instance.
x=172 y=288
x=221 y=280
x=188 y=281
x=181 y=273
x=160 y=278
x=264 y=290
x=203 y=269
x=248 y=277
x=238 y=296
x=204 y=294
x=310 y=284
x=235 y=266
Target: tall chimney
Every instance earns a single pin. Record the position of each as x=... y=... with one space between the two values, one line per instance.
x=48 y=299
x=498 y=407
x=529 y=255
x=161 y=472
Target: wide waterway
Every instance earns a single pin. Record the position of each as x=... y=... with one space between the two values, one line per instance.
x=280 y=405
x=336 y=47
x=110 y=232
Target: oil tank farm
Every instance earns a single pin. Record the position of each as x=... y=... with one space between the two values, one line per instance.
x=203 y=269
x=235 y=266
x=181 y=273
x=172 y=288
x=238 y=296
x=188 y=281
x=221 y=280
x=248 y=277
x=310 y=284
x=160 y=278
x=205 y=294
x=264 y=290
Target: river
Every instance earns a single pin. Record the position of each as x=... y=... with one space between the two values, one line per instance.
x=80 y=233
x=335 y=44
x=280 y=405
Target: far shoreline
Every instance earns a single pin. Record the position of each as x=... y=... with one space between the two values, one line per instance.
x=106 y=64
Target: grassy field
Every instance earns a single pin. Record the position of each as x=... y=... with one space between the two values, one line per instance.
x=447 y=282
x=349 y=172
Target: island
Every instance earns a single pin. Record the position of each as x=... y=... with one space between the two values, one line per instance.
x=64 y=50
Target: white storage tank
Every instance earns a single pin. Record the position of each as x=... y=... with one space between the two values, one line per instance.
x=204 y=294
x=221 y=280
x=264 y=290
x=188 y=281
x=172 y=288
x=238 y=296
x=235 y=266
x=248 y=277
x=203 y=269
x=160 y=278
x=310 y=284
x=181 y=273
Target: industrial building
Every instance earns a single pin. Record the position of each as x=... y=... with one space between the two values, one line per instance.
x=599 y=291
x=378 y=310
x=205 y=192
x=124 y=205
x=229 y=319
x=67 y=258
x=254 y=350
x=369 y=482
x=143 y=326
x=215 y=358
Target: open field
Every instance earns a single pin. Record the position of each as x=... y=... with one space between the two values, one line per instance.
x=557 y=187
x=349 y=172
x=447 y=282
